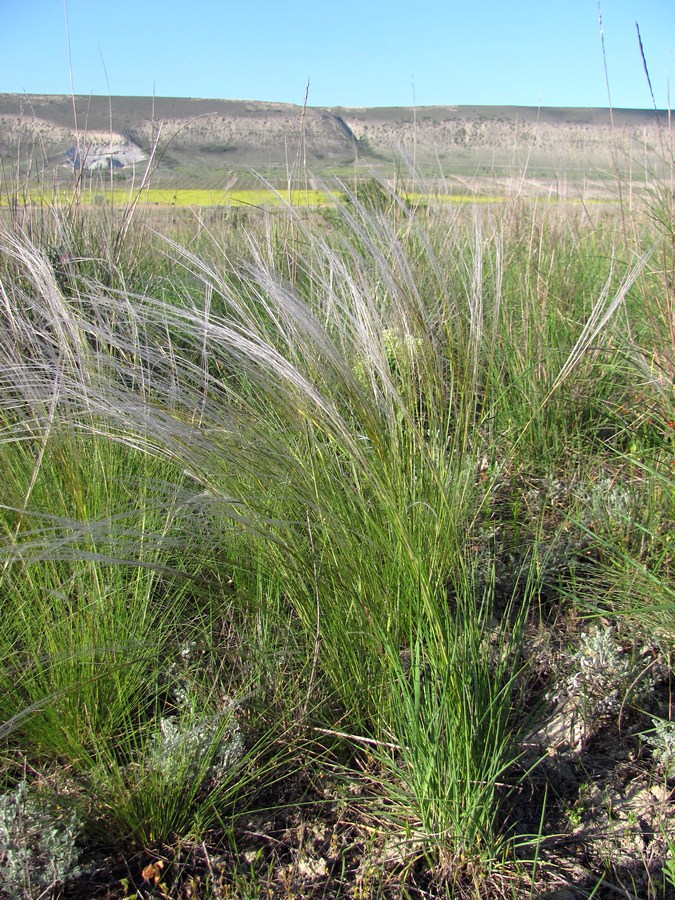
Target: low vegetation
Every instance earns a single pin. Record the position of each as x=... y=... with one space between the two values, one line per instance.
x=337 y=548
x=180 y=197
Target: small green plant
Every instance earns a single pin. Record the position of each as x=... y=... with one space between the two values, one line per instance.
x=669 y=867
x=577 y=810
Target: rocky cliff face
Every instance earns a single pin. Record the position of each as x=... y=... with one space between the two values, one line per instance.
x=503 y=133
x=235 y=127
x=221 y=133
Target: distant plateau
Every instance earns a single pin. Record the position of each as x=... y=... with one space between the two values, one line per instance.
x=201 y=142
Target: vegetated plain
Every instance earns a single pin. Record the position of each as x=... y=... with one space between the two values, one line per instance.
x=338 y=544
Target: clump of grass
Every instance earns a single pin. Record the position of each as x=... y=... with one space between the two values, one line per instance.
x=452 y=717
x=99 y=587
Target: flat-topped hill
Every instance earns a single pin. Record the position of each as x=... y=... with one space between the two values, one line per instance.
x=199 y=139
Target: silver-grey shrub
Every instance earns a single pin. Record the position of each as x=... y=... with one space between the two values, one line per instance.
x=38 y=851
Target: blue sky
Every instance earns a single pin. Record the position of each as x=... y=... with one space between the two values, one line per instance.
x=355 y=52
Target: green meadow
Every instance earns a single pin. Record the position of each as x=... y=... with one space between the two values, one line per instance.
x=337 y=550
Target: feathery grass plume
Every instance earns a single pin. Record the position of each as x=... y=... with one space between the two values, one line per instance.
x=333 y=388
x=97 y=673
x=332 y=411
